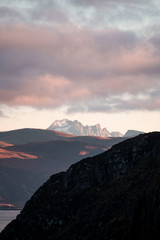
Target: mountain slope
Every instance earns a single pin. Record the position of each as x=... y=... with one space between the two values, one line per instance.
x=26 y=135
x=26 y=166
x=112 y=196
x=22 y=173
x=132 y=133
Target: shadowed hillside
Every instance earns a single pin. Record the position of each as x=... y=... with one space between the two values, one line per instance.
x=112 y=196
x=40 y=153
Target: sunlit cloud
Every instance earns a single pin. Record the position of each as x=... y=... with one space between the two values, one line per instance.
x=64 y=66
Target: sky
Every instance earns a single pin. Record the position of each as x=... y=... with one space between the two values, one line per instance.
x=97 y=61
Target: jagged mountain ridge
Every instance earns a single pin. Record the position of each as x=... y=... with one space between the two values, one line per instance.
x=112 y=196
x=77 y=128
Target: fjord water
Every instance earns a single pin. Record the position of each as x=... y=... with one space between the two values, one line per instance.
x=6 y=216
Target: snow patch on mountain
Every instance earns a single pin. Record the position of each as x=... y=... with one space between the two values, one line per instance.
x=77 y=128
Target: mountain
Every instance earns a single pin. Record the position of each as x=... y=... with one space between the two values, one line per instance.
x=29 y=156
x=132 y=133
x=77 y=128
x=112 y=196
x=116 y=134
x=26 y=135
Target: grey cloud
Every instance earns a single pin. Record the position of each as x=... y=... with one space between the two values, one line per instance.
x=116 y=103
x=2 y=115
x=75 y=108
x=155 y=39
x=123 y=14
x=49 y=15
x=9 y=13
x=115 y=39
x=98 y=14
x=155 y=93
x=32 y=12
x=49 y=11
x=102 y=3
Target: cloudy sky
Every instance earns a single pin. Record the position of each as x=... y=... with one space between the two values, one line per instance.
x=97 y=61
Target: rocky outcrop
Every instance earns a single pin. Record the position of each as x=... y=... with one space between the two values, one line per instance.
x=112 y=196
x=77 y=128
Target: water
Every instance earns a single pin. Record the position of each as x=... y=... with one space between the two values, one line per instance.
x=6 y=216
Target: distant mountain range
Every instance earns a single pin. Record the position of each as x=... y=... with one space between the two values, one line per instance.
x=112 y=196
x=29 y=156
x=132 y=133
x=77 y=128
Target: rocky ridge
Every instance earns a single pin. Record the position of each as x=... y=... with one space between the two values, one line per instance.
x=112 y=196
x=77 y=128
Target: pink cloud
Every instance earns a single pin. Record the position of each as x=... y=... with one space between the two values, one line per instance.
x=52 y=66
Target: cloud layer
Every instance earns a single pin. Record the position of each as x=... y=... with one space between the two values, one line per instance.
x=67 y=63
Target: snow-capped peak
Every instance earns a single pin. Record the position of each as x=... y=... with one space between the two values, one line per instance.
x=77 y=128
x=60 y=123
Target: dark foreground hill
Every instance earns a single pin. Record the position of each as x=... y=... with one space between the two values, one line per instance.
x=112 y=196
